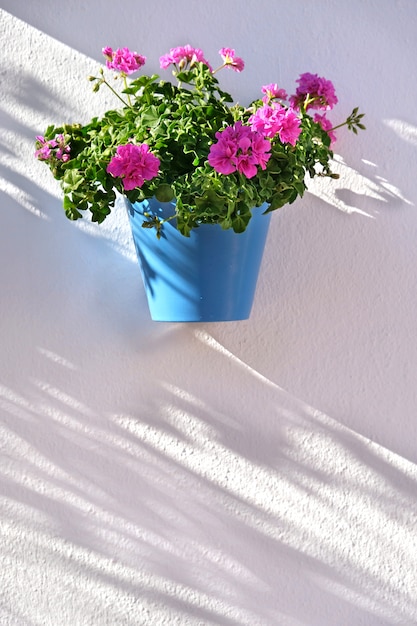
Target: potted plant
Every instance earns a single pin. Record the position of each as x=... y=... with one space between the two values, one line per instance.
x=198 y=172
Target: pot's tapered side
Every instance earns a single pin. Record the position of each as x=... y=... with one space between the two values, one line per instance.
x=210 y=276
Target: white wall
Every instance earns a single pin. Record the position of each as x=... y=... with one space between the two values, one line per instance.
x=259 y=472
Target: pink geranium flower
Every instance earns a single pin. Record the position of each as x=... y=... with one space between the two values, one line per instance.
x=260 y=149
x=231 y=60
x=44 y=152
x=314 y=92
x=290 y=127
x=133 y=164
x=53 y=149
x=123 y=60
x=272 y=120
x=222 y=155
x=239 y=148
x=267 y=120
x=272 y=92
x=182 y=55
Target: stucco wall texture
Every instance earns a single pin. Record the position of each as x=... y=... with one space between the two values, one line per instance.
x=256 y=473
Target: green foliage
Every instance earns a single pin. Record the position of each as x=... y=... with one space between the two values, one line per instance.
x=179 y=123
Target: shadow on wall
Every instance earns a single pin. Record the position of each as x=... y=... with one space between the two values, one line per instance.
x=193 y=487
x=357 y=193
x=55 y=262
x=249 y=510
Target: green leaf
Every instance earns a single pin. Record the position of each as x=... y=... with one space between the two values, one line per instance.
x=210 y=202
x=70 y=209
x=278 y=200
x=164 y=193
x=151 y=116
x=184 y=226
x=240 y=222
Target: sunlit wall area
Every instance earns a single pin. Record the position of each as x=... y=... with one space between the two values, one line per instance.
x=253 y=473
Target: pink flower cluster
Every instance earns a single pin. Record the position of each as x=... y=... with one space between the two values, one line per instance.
x=134 y=164
x=181 y=55
x=273 y=92
x=123 y=60
x=272 y=120
x=53 y=148
x=231 y=60
x=314 y=92
x=239 y=148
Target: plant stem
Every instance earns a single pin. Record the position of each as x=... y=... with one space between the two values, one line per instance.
x=115 y=93
x=125 y=84
x=338 y=126
x=218 y=69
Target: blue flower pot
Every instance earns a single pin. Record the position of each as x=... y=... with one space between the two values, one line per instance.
x=210 y=276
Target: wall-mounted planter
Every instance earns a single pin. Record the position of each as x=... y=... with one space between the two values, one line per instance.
x=210 y=276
